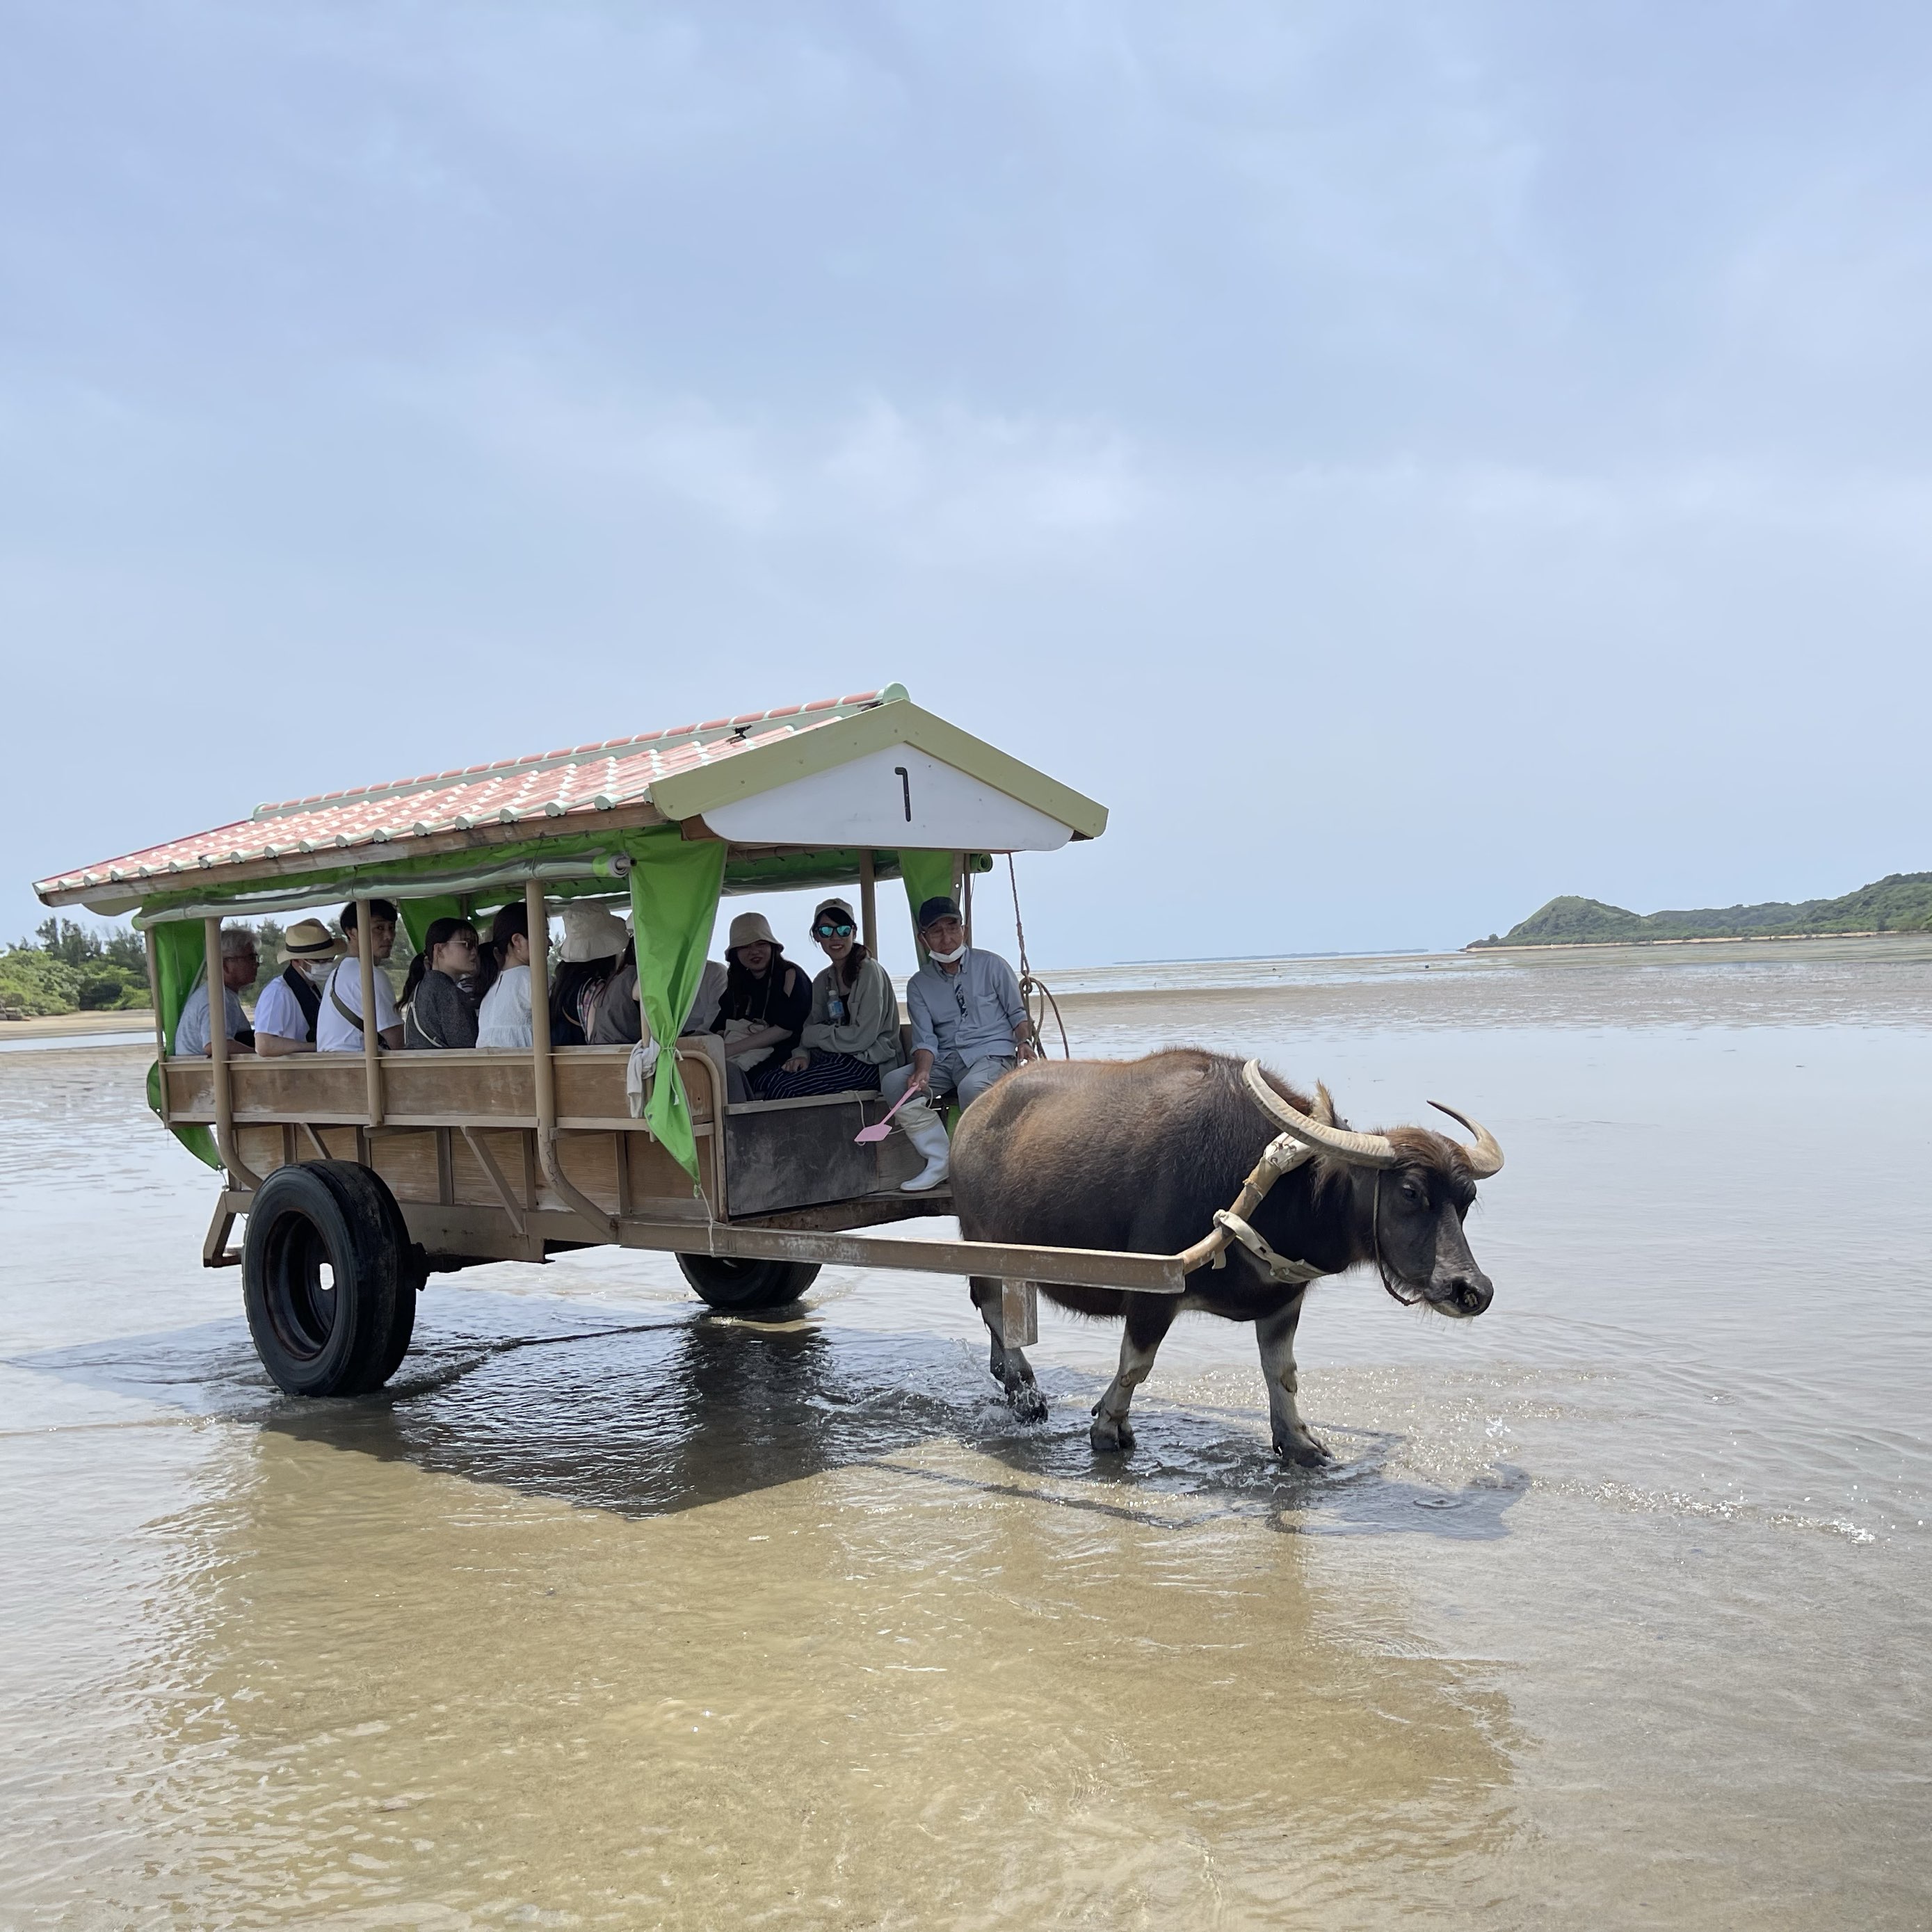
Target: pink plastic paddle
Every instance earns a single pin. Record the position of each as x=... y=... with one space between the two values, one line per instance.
x=879 y=1130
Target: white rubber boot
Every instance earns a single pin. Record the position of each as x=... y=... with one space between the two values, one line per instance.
x=927 y=1132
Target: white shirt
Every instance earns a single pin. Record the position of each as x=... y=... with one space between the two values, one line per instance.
x=278 y=1012
x=191 y=1029
x=504 y=1019
x=334 y=1034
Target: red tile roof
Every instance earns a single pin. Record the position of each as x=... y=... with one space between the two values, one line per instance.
x=578 y=781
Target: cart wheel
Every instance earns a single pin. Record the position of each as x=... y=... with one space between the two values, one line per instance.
x=412 y=1272
x=740 y=1287
x=329 y=1278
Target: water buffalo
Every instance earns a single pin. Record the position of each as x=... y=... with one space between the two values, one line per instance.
x=1138 y=1154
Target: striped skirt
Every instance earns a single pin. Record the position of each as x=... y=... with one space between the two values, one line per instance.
x=829 y=1073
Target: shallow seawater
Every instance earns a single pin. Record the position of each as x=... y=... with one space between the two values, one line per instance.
x=611 y=1612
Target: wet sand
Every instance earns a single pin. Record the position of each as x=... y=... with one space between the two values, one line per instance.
x=614 y=1612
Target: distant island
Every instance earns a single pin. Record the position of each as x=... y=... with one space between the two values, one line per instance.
x=1901 y=903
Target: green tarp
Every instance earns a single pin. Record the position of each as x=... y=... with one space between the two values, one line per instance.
x=675 y=884
x=180 y=953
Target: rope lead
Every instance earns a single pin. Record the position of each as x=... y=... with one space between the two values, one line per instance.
x=1034 y=995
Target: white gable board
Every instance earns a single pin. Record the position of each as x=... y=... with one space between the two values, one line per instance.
x=898 y=797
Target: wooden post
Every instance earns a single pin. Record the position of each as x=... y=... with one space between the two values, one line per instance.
x=536 y=917
x=372 y=1045
x=966 y=894
x=1019 y=1314
x=161 y=1024
x=869 y=903
x=217 y=1034
x=239 y=1173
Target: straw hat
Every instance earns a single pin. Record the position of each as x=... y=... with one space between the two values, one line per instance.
x=752 y=928
x=592 y=932
x=309 y=939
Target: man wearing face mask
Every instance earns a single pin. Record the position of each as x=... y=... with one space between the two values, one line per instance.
x=285 y=1014
x=969 y=1026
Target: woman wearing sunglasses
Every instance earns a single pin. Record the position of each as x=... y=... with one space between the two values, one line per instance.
x=853 y=1031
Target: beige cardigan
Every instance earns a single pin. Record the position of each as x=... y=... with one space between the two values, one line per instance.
x=870 y=1031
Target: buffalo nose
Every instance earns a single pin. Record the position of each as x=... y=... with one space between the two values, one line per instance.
x=1470 y=1294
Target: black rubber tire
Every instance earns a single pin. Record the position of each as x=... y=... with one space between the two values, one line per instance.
x=347 y=1338
x=742 y=1287
x=411 y=1275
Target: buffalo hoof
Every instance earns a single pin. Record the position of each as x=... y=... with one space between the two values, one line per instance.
x=1110 y=1438
x=1302 y=1450
x=1027 y=1402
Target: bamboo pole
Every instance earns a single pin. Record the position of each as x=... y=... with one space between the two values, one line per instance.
x=868 y=903
x=372 y=1045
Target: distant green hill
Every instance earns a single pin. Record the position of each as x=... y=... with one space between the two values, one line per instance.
x=1902 y=903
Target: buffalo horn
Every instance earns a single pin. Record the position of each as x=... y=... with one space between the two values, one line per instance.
x=1358 y=1150
x=1485 y=1158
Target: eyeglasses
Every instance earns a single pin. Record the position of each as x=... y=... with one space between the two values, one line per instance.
x=832 y=932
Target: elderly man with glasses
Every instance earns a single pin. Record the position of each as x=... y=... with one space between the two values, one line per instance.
x=969 y=1027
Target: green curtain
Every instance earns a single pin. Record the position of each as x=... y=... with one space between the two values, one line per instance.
x=180 y=955
x=927 y=875
x=418 y=914
x=675 y=883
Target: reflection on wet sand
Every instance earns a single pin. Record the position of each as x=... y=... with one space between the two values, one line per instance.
x=856 y=1690
x=612 y=1611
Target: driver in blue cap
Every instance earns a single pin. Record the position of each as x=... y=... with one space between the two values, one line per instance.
x=969 y=1027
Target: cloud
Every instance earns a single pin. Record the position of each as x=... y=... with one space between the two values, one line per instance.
x=937 y=484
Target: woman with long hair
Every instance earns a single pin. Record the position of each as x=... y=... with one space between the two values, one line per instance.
x=853 y=1030
x=437 y=1011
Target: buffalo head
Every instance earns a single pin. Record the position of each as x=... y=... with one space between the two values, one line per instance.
x=1411 y=1189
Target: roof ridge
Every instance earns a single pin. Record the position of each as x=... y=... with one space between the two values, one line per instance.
x=817 y=709
x=505 y=792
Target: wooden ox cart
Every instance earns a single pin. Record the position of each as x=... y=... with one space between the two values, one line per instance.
x=360 y=1174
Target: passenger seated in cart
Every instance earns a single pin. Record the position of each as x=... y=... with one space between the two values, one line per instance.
x=616 y=1017
x=338 y=1026
x=852 y=1035
x=238 y=970
x=503 y=982
x=437 y=1008
x=285 y=1014
x=969 y=1026
x=594 y=940
x=767 y=1000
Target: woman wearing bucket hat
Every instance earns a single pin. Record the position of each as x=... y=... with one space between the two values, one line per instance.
x=285 y=1014
x=594 y=942
x=853 y=1030
x=766 y=1000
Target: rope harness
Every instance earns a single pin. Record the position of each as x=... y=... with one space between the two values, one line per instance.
x=1283 y=1155
x=1034 y=995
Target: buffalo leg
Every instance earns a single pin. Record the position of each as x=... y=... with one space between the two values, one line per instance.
x=1275 y=1333
x=1149 y=1318
x=1009 y=1367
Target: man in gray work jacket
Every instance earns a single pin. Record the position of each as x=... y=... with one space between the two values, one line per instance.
x=969 y=1026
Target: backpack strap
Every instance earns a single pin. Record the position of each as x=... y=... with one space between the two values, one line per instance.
x=335 y=999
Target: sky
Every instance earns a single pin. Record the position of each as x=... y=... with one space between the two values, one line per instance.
x=1407 y=462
